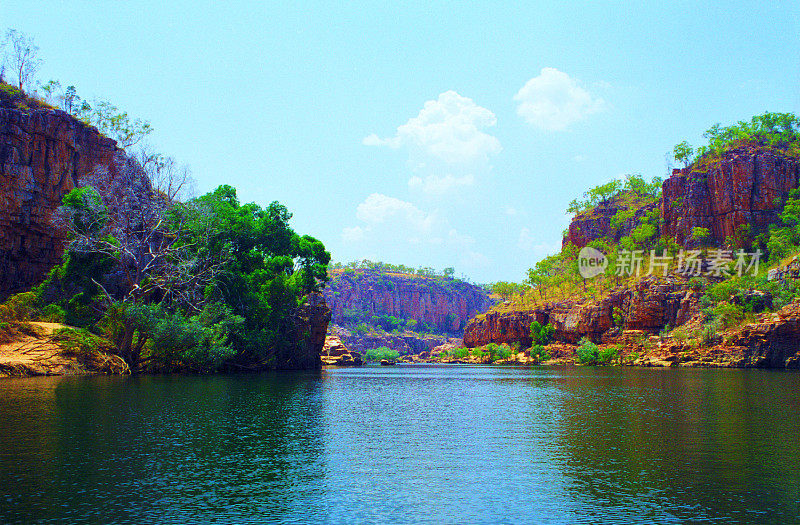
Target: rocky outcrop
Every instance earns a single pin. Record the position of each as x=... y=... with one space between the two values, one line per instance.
x=311 y=324
x=745 y=187
x=36 y=349
x=444 y=303
x=405 y=343
x=596 y=223
x=43 y=153
x=334 y=353
x=773 y=341
x=650 y=305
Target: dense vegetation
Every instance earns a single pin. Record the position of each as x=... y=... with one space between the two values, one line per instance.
x=381 y=353
x=780 y=131
x=184 y=285
x=378 y=266
x=169 y=282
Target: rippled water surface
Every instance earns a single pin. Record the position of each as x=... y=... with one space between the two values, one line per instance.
x=405 y=444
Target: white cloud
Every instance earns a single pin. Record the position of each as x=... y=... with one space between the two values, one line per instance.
x=354 y=234
x=379 y=208
x=436 y=185
x=401 y=223
x=579 y=158
x=526 y=240
x=449 y=129
x=554 y=100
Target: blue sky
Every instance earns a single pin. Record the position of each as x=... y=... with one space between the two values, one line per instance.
x=429 y=134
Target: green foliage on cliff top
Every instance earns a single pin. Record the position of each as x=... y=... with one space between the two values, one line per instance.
x=632 y=193
x=779 y=131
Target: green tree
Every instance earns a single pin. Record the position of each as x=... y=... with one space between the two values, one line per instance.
x=541 y=334
x=683 y=152
x=701 y=235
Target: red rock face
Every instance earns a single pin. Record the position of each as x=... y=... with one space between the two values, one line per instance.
x=650 y=306
x=311 y=323
x=446 y=304
x=42 y=155
x=745 y=187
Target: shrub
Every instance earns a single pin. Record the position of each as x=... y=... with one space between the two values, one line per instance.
x=380 y=353
x=478 y=353
x=11 y=95
x=539 y=353
x=607 y=355
x=588 y=353
x=53 y=313
x=460 y=352
x=19 y=307
x=680 y=334
x=726 y=315
x=617 y=316
x=708 y=334
x=504 y=351
x=541 y=334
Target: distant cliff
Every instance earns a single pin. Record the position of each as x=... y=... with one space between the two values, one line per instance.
x=444 y=304
x=43 y=152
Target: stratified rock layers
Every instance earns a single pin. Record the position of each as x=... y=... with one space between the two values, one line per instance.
x=746 y=187
x=43 y=153
x=650 y=306
x=446 y=304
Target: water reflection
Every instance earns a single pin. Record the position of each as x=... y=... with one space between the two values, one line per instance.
x=157 y=448
x=683 y=445
x=423 y=444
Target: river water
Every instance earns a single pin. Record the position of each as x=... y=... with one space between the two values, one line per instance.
x=405 y=444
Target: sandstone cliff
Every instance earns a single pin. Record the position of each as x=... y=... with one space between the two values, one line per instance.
x=746 y=186
x=443 y=303
x=43 y=152
x=650 y=305
x=596 y=223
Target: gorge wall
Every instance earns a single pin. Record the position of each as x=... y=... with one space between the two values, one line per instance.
x=444 y=303
x=43 y=153
x=651 y=305
x=744 y=187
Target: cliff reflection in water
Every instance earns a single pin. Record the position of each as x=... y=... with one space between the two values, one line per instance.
x=422 y=444
x=149 y=449
x=689 y=444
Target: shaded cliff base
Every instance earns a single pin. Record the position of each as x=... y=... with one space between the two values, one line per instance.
x=40 y=349
x=406 y=343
